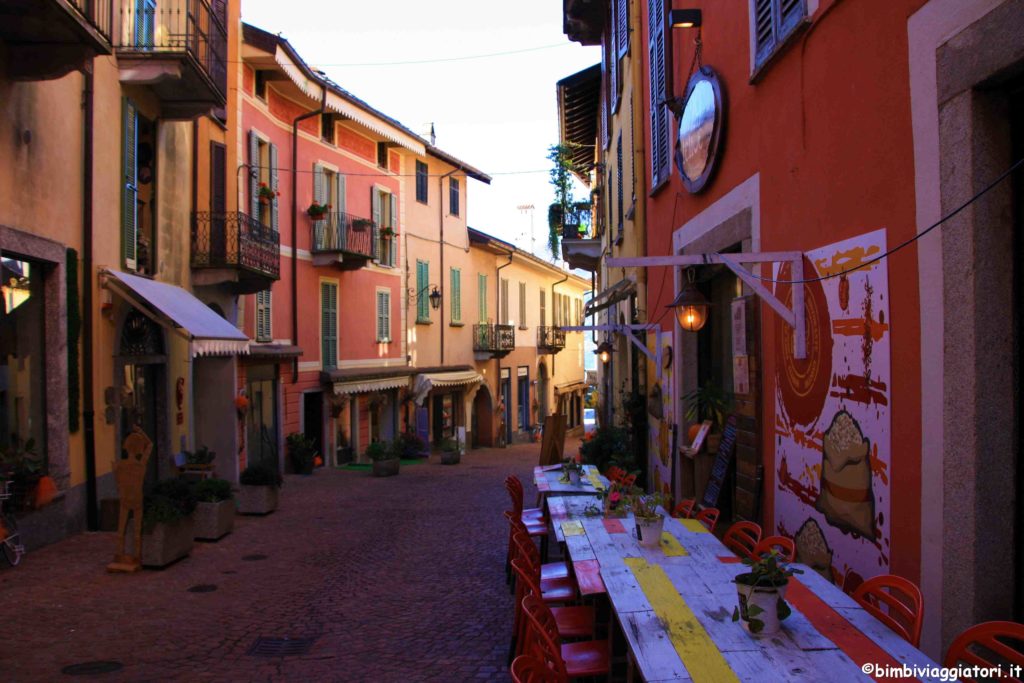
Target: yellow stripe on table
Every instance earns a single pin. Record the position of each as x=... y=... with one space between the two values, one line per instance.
x=572 y=527
x=670 y=545
x=702 y=659
x=694 y=526
x=595 y=478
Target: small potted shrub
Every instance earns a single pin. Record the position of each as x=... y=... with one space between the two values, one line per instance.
x=167 y=523
x=408 y=446
x=762 y=591
x=301 y=452
x=258 y=490
x=709 y=402
x=267 y=194
x=200 y=460
x=318 y=211
x=649 y=522
x=572 y=472
x=451 y=452
x=215 y=509
x=385 y=461
x=361 y=224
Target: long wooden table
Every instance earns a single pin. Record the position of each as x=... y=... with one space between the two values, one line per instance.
x=548 y=480
x=674 y=604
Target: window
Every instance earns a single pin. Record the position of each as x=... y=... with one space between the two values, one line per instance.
x=138 y=191
x=383 y=315
x=263 y=182
x=453 y=196
x=773 y=22
x=481 y=294
x=422 y=295
x=660 y=158
x=329 y=189
x=504 y=305
x=422 y=174
x=522 y=305
x=23 y=361
x=543 y=307
x=385 y=226
x=456 y=296
x=327 y=128
x=382 y=154
x=261 y=84
x=329 y=325
x=263 y=317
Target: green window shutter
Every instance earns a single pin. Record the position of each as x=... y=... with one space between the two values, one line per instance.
x=254 y=175
x=543 y=307
x=129 y=190
x=456 y=296
x=393 y=247
x=328 y=324
x=481 y=285
x=375 y=233
x=422 y=282
x=318 y=184
x=273 y=186
x=522 y=304
x=263 y=316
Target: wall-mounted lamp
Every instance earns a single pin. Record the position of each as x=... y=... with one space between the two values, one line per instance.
x=435 y=298
x=684 y=18
x=604 y=351
x=691 y=306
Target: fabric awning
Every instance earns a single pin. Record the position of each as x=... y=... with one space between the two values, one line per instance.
x=181 y=312
x=380 y=384
x=569 y=387
x=427 y=381
x=621 y=290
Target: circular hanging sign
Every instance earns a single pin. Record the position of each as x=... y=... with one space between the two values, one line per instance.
x=701 y=125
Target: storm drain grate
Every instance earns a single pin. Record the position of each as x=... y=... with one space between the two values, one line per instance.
x=280 y=647
x=91 y=668
x=203 y=588
x=253 y=558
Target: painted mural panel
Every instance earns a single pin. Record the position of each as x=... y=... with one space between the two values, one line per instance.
x=832 y=413
x=659 y=421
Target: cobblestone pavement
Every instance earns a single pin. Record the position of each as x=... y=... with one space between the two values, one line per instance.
x=396 y=579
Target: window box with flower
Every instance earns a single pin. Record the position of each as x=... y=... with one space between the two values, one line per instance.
x=318 y=211
x=267 y=194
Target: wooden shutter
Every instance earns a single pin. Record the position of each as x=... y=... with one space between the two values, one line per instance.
x=422 y=282
x=618 y=181
x=130 y=188
x=383 y=316
x=543 y=307
x=659 y=112
x=263 y=316
x=622 y=27
x=456 y=297
x=764 y=30
x=328 y=324
x=342 y=206
x=522 y=304
x=254 y=175
x=481 y=285
x=218 y=178
x=503 y=314
x=273 y=186
x=613 y=62
x=375 y=232
x=393 y=224
x=790 y=14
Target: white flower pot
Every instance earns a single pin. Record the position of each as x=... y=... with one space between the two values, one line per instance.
x=766 y=599
x=648 y=530
x=574 y=478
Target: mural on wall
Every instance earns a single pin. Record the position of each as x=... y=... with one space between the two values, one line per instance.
x=832 y=415
x=659 y=420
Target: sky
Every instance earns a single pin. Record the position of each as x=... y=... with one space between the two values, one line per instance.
x=498 y=114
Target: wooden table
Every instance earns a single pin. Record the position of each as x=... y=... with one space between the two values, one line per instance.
x=674 y=604
x=564 y=508
x=548 y=480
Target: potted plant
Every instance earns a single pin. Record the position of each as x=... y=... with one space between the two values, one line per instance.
x=709 y=402
x=610 y=445
x=215 y=509
x=361 y=224
x=318 y=211
x=20 y=464
x=649 y=522
x=267 y=194
x=451 y=452
x=762 y=591
x=385 y=461
x=302 y=452
x=408 y=446
x=258 y=490
x=572 y=471
x=387 y=232
x=167 y=523
x=200 y=460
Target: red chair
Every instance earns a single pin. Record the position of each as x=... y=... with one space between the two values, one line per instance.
x=989 y=637
x=742 y=538
x=685 y=509
x=515 y=492
x=549 y=570
x=526 y=669
x=708 y=517
x=571 y=621
x=532 y=529
x=785 y=547
x=894 y=601
x=569 y=660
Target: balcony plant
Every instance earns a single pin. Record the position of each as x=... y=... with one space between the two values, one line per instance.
x=318 y=211
x=649 y=521
x=361 y=224
x=259 y=489
x=385 y=460
x=215 y=509
x=267 y=194
x=301 y=452
x=451 y=452
x=387 y=232
x=762 y=591
x=168 y=523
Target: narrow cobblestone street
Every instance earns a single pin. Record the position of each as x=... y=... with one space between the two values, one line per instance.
x=397 y=579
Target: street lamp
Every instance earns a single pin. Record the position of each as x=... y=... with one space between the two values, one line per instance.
x=684 y=18
x=604 y=351
x=434 y=296
x=691 y=306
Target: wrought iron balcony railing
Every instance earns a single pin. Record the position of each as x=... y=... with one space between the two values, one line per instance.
x=496 y=339
x=339 y=232
x=235 y=240
x=99 y=13
x=551 y=338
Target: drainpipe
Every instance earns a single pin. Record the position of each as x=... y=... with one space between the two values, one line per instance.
x=440 y=215
x=497 y=316
x=295 y=225
x=88 y=408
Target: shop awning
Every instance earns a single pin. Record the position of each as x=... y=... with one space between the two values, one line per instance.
x=621 y=290
x=570 y=387
x=425 y=382
x=360 y=387
x=181 y=312
x=273 y=353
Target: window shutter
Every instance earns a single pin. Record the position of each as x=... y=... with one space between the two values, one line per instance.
x=254 y=175
x=659 y=113
x=604 y=102
x=764 y=34
x=618 y=180
x=383 y=316
x=422 y=302
x=613 y=65
x=456 y=300
x=622 y=27
x=481 y=285
x=790 y=14
x=263 y=316
x=503 y=315
x=273 y=186
x=342 y=205
x=393 y=248
x=375 y=203
x=543 y=307
x=329 y=324
x=129 y=193
x=522 y=304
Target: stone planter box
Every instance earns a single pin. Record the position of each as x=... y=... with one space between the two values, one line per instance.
x=451 y=457
x=257 y=500
x=214 y=520
x=386 y=468
x=167 y=543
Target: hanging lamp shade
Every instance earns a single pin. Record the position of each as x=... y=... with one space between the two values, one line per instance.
x=435 y=299
x=604 y=351
x=691 y=306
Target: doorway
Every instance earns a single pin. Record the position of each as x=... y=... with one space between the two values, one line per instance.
x=313 y=418
x=483 y=418
x=261 y=423
x=142 y=379
x=523 y=385
x=542 y=392
x=506 y=399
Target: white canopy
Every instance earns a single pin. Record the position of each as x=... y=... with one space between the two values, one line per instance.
x=181 y=312
x=362 y=386
x=428 y=381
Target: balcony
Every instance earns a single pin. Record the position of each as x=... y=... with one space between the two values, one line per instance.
x=47 y=39
x=550 y=339
x=578 y=250
x=493 y=341
x=179 y=49
x=234 y=249
x=343 y=240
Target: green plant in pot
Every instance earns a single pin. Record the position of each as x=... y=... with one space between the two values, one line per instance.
x=301 y=452
x=649 y=520
x=709 y=402
x=762 y=592
x=215 y=509
x=167 y=522
x=572 y=472
x=451 y=452
x=385 y=461
x=408 y=446
x=609 y=446
x=258 y=491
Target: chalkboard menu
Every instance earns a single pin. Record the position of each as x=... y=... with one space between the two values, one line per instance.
x=721 y=466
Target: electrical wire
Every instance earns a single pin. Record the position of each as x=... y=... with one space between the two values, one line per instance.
x=487 y=55
x=387 y=174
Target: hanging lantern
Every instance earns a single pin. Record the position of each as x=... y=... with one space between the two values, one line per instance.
x=691 y=306
x=435 y=299
x=604 y=351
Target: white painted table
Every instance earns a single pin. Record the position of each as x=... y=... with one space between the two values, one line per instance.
x=548 y=480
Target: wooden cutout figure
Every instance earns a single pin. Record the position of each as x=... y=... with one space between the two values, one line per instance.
x=130 y=474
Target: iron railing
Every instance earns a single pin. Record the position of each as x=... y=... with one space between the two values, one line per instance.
x=235 y=240
x=99 y=13
x=494 y=338
x=343 y=232
x=178 y=26
x=575 y=222
x=550 y=338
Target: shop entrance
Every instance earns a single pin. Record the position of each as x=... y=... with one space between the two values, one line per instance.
x=261 y=422
x=141 y=365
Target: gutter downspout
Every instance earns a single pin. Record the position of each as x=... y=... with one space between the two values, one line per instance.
x=88 y=407
x=295 y=225
x=440 y=215
x=497 y=316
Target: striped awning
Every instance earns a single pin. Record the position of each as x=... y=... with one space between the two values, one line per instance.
x=369 y=385
x=426 y=382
